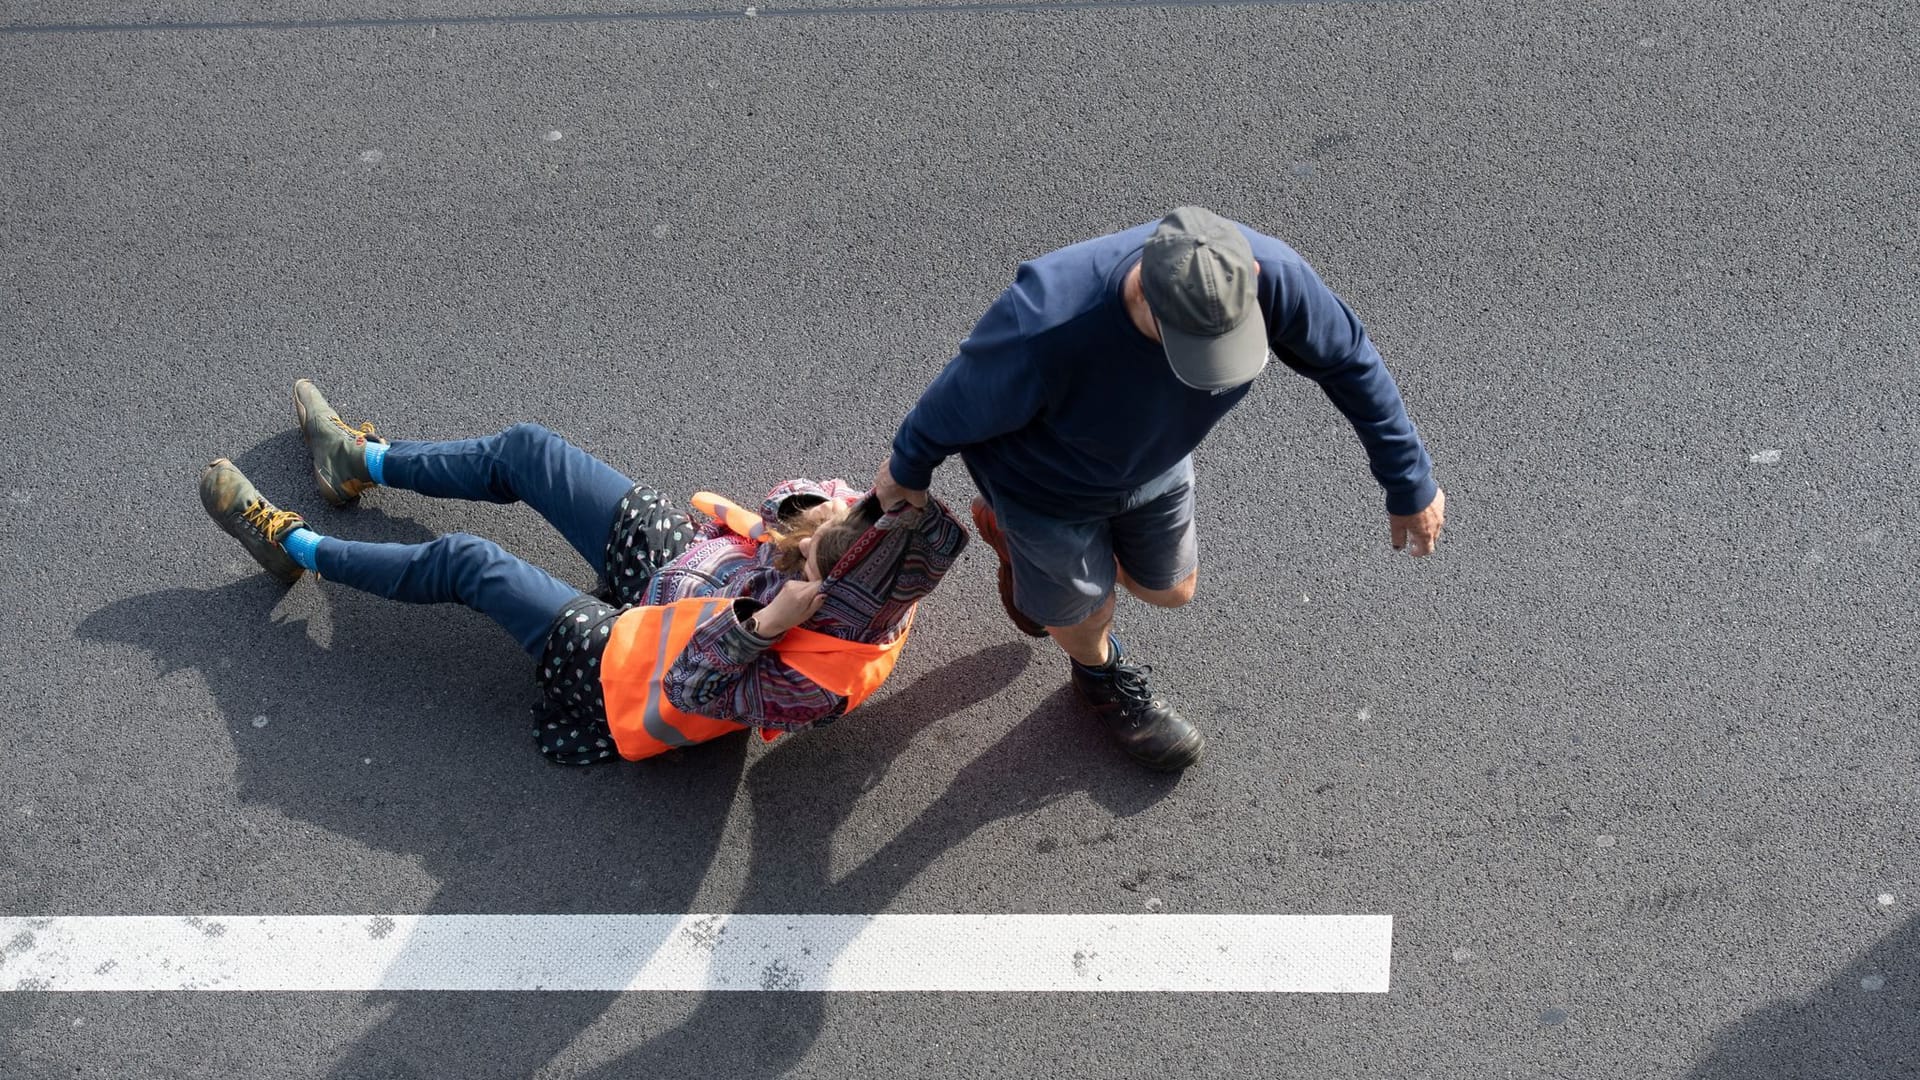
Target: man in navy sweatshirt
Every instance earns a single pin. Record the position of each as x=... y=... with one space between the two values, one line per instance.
x=1077 y=402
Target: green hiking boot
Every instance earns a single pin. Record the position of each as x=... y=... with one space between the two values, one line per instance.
x=339 y=463
x=237 y=506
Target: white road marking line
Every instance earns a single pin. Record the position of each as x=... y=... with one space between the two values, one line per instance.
x=997 y=953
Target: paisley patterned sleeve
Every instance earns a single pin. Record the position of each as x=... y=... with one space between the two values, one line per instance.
x=935 y=542
x=728 y=673
x=939 y=538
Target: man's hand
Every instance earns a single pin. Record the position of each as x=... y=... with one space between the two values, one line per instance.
x=891 y=493
x=1418 y=533
x=795 y=604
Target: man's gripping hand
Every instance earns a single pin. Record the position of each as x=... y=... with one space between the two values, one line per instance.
x=891 y=493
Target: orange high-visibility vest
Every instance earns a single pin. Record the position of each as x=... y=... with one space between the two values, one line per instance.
x=645 y=642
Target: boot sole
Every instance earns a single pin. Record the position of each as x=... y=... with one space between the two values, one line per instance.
x=333 y=495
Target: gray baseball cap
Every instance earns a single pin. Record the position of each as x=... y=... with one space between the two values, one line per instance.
x=1198 y=274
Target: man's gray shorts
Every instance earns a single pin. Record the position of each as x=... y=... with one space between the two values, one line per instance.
x=1063 y=557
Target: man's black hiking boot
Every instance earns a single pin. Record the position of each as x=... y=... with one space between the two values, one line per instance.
x=339 y=462
x=989 y=527
x=1144 y=725
x=237 y=506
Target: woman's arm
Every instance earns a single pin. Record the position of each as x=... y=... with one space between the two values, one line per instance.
x=729 y=670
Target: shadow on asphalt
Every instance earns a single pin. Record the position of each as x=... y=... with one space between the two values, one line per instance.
x=795 y=815
x=426 y=692
x=1865 y=1022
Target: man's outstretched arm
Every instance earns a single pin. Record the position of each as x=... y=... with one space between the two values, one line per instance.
x=1316 y=334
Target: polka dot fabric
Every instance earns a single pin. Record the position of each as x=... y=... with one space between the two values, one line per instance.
x=648 y=534
x=570 y=719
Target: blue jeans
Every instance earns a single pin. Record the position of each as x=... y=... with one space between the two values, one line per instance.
x=577 y=494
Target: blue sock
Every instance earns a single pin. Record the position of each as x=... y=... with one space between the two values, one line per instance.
x=301 y=544
x=375 y=456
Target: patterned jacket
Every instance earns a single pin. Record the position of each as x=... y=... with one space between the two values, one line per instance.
x=729 y=673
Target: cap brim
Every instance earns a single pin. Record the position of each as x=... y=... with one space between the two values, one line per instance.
x=1217 y=363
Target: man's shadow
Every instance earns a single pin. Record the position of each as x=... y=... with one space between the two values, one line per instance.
x=800 y=799
x=1865 y=1022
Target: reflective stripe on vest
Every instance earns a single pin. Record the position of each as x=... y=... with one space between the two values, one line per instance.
x=640 y=651
x=736 y=518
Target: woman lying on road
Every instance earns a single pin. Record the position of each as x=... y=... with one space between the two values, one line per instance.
x=777 y=621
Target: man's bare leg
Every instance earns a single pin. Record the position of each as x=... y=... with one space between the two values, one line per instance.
x=1086 y=641
x=1179 y=596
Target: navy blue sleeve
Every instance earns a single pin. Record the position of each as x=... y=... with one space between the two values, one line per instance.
x=989 y=389
x=1316 y=334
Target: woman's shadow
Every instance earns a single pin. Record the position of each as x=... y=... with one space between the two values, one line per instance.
x=408 y=732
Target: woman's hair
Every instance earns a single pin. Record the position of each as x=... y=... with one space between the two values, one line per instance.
x=833 y=528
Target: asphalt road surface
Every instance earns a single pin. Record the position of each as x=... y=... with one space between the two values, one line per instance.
x=1632 y=761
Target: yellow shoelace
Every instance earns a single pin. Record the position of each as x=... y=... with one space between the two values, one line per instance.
x=273 y=524
x=364 y=429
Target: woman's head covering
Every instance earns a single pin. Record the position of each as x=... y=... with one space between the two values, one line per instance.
x=871 y=590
